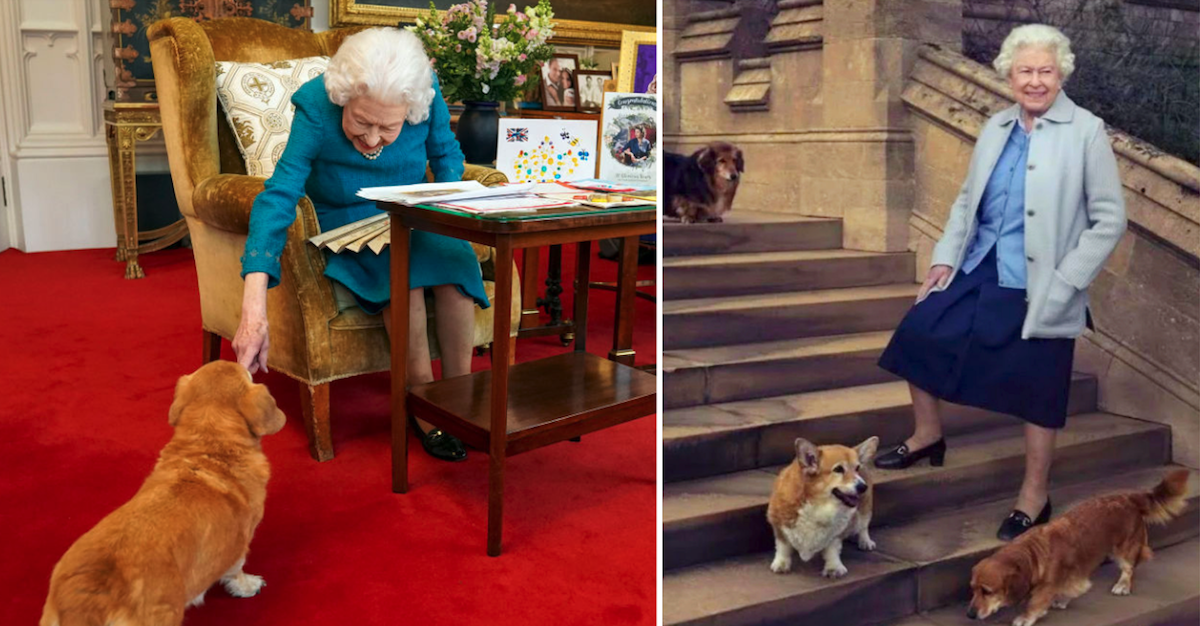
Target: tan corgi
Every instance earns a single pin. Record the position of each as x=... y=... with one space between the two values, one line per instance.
x=820 y=499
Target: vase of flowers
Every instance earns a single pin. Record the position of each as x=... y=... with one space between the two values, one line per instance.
x=482 y=61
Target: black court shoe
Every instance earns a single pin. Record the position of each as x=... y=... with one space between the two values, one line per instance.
x=901 y=457
x=441 y=444
x=1017 y=523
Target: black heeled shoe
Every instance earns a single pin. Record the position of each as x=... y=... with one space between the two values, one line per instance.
x=1018 y=522
x=440 y=444
x=901 y=457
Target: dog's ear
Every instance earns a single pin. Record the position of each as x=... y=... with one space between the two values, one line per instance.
x=706 y=158
x=181 y=400
x=1018 y=578
x=866 y=450
x=741 y=162
x=262 y=415
x=808 y=455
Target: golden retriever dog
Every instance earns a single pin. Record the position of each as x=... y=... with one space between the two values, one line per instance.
x=820 y=499
x=701 y=187
x=191 y=522
x=1051 y=565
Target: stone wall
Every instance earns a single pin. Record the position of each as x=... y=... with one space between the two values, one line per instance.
x=1145 y=350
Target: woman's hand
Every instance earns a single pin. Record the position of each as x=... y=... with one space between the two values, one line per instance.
x=251 y=342
x=938 y=275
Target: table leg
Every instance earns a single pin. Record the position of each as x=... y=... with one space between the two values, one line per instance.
x=583 y=267
x=529 y=287
x=122 y=169
x=399 y=339
x=552 y=301
x=622 y=351
x=498 y=441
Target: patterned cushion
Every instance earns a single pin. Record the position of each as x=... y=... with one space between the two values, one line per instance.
x=257 y=98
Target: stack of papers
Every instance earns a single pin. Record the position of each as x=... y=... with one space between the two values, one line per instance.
x=469 y=196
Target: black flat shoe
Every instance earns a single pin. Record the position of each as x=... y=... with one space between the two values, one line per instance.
x=901 y=457
x=441 y=445
x=1017 y=523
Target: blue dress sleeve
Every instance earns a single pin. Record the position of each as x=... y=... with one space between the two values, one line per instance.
x=274 y=209
x=442 y=149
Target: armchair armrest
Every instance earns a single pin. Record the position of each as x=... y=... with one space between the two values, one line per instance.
x=485 y=175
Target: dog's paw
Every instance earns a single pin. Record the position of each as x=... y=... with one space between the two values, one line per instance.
x=716 y=220
x=1060 y=603
x=865 y=544
x=836 y=571
x=781 y=565
x=1025 y=620
x=245 y=585
x=1122 y=588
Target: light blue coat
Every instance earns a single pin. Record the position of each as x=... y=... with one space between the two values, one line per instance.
x=1074 y=211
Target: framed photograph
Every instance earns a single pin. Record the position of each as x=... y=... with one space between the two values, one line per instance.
x=639 y=62
x=577 y=22
x=589 y=89
x=546 y=151
x=629 y=139
x=558 y=83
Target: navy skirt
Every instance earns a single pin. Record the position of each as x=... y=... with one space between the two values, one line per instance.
x=964 y=345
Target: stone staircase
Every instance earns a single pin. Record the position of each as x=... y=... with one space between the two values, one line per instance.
x=771 y=331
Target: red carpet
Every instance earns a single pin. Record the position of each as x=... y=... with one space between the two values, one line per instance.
x=89 y=365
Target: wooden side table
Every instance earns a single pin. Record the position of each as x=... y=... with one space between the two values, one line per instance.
x=517 y=408
x=126 y=124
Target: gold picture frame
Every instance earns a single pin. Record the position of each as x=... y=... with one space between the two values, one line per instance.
x=566 y=32
x=630 y=41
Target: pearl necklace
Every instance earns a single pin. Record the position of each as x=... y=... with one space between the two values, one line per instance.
x=374 y=154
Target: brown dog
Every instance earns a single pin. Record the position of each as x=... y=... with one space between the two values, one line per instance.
x=820 y=499
x=701 y=187
x=1052 y=564
x=189 y=525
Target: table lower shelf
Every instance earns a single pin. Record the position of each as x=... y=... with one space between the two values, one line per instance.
x=549 y=400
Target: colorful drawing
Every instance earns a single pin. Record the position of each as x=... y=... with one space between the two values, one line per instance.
x=564 y=150
x=518 y=134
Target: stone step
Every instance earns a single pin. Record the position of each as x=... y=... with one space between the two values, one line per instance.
x=707 y=322
x=719 y=517
x=759 y=370
x=717 y=439
x=1165 y=593
x=717 y=275
x=752 y=231
x=882 y=587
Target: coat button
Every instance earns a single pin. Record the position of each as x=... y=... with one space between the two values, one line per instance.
x=1031 y=166
x=1039 y=125
x=1029 y=258
x=1029 y=213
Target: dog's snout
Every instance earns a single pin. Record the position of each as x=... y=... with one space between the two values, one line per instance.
x=733 y=176
x=971 y=614
x=860 y=486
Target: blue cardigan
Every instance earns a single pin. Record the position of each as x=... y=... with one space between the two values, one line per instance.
x=320 y=161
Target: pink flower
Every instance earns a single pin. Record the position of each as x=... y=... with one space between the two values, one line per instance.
x=458 y=47
x=520 y=80
x=531 y=35
x=462 y=34
x=512 y=8
x=521 y=17
x=522 y=57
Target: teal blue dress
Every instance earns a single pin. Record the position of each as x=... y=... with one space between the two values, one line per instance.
x=320 y=161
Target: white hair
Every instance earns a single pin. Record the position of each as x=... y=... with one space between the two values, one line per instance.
x=1040 y=36
x=386 y=64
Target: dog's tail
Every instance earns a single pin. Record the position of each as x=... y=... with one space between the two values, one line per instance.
x=1167 y=500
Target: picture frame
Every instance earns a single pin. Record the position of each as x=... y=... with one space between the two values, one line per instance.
x=639 y=61
x=546 y=150
x=629 y=139
x=574 y=19
x=589 y=90
x=558 y=89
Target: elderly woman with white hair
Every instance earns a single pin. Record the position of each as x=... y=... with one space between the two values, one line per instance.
x=376 y=117
x=996 y=318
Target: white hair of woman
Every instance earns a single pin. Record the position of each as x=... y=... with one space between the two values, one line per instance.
x=387 y=64
x=1036 y=35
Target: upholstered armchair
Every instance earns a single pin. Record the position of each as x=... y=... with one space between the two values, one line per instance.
x=311 y=341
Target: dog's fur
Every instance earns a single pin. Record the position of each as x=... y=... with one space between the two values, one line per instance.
x=1051 y=565
x=191 y=522
x=701 y=187
x=820 y=499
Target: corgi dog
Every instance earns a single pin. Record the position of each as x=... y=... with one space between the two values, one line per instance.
x=1050 y=565
x=820 y=499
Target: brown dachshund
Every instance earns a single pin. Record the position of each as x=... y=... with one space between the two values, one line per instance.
x=701 y=187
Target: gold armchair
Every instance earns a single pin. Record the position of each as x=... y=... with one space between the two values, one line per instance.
x=311 y=341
